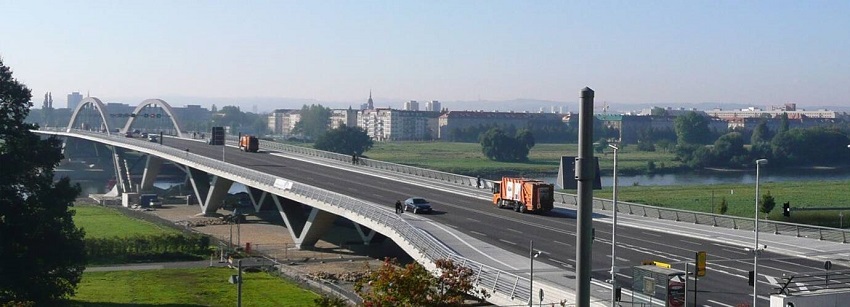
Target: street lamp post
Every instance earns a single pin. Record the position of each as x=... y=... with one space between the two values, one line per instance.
x=531 y=256
x=756 y=249
x=614 y=233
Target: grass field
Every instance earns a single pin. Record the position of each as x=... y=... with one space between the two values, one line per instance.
x=741 y=198
x=186 y=287
x=466 y=158
x=103 y=222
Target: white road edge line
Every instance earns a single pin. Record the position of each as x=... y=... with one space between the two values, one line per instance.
x=470 y=246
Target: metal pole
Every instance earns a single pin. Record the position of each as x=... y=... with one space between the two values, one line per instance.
x=239 y=285
x=686 y=285
x=584 y=177
x=531 y=274
x=614 y=234
x=756 y=250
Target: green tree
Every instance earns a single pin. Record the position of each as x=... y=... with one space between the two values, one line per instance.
x=497 y=145
x=413 y=285
x=345 y=140
x=760 y=133
x=692 y=128
x=767 y=203
x=729 y=151
x=783 y=126
x=42 y=251
x=314 y=121
x=724 y=206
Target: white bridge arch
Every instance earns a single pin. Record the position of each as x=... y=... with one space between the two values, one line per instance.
x=98 y=105
x=164 y=105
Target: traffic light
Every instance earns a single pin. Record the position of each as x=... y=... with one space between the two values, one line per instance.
x=752 y=279
x=786 y=209
x=618 y=294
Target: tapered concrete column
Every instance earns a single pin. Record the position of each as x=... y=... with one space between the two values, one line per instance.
x=210 y=193
x=122 y=179
x=306 y=226
x=368 y=235
x=153 y=166
x=200 y=182
x=261 y=200
x=217 y=193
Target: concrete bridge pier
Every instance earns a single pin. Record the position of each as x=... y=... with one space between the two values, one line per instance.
x=305 y=226
x=153 y=165
x=122 y=172
x=368 y=235
x=210 y=193
x=261 y=200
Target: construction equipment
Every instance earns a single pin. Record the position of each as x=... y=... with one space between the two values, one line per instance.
x=524 y=195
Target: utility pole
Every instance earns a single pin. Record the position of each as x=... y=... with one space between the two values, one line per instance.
x=584 y=177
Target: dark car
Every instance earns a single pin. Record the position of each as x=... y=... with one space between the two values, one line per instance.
x=417 y=205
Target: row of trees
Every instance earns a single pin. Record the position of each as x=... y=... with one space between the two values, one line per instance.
x=785 y=147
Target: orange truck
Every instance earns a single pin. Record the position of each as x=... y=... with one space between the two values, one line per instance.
x=524 y=195
x=249 y=143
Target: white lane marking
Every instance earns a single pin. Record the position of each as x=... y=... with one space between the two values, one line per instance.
x=472 y=247
x=514 y=230
x=478 y=233
x=735 y=251
x=690 y=242
x=474 y=220
x=506 y=241
x=719 y=303
x=561 y=263
x=562 y=243
x=622 y=259
x=771 y=280
x=650 y=234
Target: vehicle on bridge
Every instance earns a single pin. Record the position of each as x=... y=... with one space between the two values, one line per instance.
x=249 y=143
x=524 y=195
x=417 y=205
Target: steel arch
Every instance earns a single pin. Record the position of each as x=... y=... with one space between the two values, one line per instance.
x=165 y=106
x=101 y=108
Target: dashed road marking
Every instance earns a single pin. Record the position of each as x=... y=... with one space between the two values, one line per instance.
x=506 y=241
x=514 y=230
x=478 y=233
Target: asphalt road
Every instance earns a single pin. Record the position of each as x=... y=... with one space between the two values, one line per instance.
x=724 y=285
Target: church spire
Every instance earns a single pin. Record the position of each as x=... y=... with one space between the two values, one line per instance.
x=369 y=104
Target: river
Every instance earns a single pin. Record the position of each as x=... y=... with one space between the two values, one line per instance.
x=724 y=177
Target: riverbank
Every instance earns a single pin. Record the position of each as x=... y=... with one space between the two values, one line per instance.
x=740 y=199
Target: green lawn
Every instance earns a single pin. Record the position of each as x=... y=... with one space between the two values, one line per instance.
x=741 y=198
x=466 y=158
x=186 y=287
x=103 y=222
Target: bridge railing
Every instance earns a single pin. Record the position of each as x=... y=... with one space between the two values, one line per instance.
x=493 y=279
x=717 y=220
x=404 y=169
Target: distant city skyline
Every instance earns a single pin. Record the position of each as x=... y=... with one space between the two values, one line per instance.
x=669 y=52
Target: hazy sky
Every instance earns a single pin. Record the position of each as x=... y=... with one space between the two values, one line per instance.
x=760 y=52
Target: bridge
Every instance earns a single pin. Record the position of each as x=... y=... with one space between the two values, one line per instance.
x=311 y=189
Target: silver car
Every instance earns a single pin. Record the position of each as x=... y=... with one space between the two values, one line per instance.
x=417 y=205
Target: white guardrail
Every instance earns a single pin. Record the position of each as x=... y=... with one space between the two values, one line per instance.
x=486 y=277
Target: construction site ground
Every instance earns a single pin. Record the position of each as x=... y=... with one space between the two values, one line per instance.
x=331 y=266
